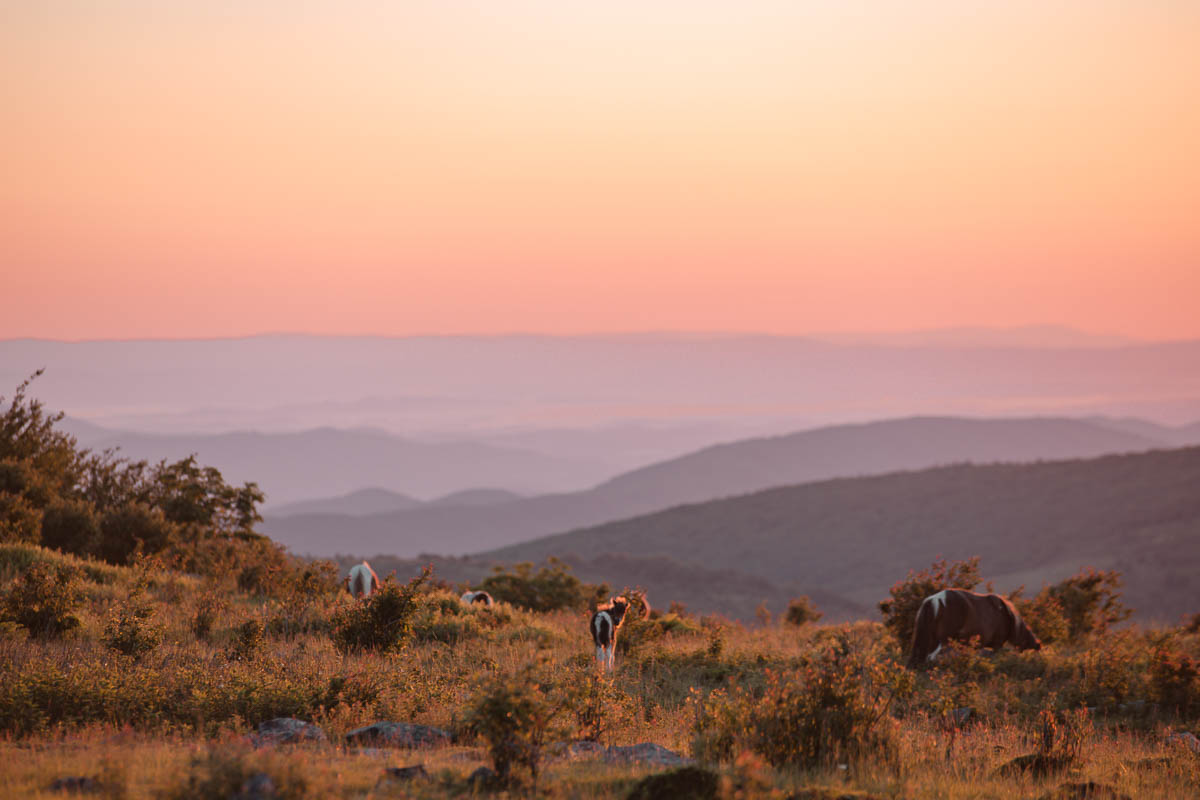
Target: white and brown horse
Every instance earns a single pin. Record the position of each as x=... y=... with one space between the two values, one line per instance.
x=605 y=623
x=963 y=615
x=362 y=581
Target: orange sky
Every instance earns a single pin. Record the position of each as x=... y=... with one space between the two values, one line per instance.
x=443 y=166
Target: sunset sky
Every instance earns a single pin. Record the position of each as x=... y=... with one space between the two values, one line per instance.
x=200 y=168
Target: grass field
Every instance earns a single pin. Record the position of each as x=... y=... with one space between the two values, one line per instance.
x=769 y=710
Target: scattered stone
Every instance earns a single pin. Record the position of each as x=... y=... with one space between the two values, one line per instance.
x=960 y=715
x=645 y=753
x=285 y=730
x=687 y=783
x=393 y=776
x=1185 y=739
x=1084 y=791
x=484 y=779
x=1035 y=764
x=399 y=734
x=258 y=786
x=825 y=794
x=576 y=749
x=79 y=784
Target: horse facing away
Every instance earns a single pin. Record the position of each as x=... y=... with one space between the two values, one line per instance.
x=362 y=581
x=605 y=624
x=963 y=615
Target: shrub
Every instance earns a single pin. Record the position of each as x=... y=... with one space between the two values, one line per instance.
x=133 y=529
x=131 y=628
x=1061 y=736
x=900 y=612
x=1174 y=681
x=381 y=622
x=801 y=611
x=1090 y=601
x=516 y=716
x=20 y=521
x=553 y=587
x=221 y=774
x=208 y=607
x=1044 y=615
x=247 y=641
x=70 y=526
x=43 y=599
x=595 y=704
x=832 y=710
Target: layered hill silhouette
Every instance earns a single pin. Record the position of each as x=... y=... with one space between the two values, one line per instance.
x=852 y=538
x=293 y=467
x=719 y=471
x=381 y=501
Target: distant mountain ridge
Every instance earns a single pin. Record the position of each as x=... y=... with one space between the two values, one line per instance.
x=719 y=471
x=853 y=537
x=294 y=467
x=381 y=501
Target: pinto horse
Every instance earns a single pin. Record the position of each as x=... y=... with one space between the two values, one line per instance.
x=959 y=614
x=362 y=581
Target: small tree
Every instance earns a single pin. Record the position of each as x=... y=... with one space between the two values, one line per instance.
x=381 y=622
x=553 y=587
x=900 y=612
x=516 y=716
x=43 y=600
x=1090 y=601
x=131 y=628
x=801 y=611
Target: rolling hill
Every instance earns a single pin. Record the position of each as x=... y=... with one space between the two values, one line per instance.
x=719 y=471
x=380 y=501
x=853 y=538
x=318 y=463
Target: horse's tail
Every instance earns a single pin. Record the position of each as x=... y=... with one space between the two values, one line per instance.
x=924 y=633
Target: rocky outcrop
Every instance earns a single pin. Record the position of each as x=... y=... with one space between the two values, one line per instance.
x=285 y=730
x=398 y=734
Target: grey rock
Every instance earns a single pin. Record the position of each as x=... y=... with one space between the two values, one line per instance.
x=399 y=734
x=399 y=775
x=483 y=778
x=79 y=784
x=1185 y=739
x=961 y=715
x=645 y=753
x=258 y=786
x=576 y=749
x=285 y=730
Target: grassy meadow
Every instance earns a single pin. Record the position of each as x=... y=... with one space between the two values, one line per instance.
x=157 y=686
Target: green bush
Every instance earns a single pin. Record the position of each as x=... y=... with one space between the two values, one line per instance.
x=900 y=611
x=71 y=526
x=43 y=600
x=833 y=709
x=801 y=611
x=1174 y=681
x=517 y=716
x=131 y=628
x=247 y=641
x=1090 y=601
x=209 y=606
x=131 y=529
x=381 y=622
x=221 y=774
x=553 y=587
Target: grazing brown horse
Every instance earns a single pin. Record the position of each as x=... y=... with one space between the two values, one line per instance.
x=959 y=614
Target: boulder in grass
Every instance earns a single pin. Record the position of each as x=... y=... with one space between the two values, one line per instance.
x=395 y=776
x=258 y=786
x=398 y=734
x=75 y=785
x=686 y=783
x=1186 y=740
x=1089 y=790
x=285 y=730
x=645 y=753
